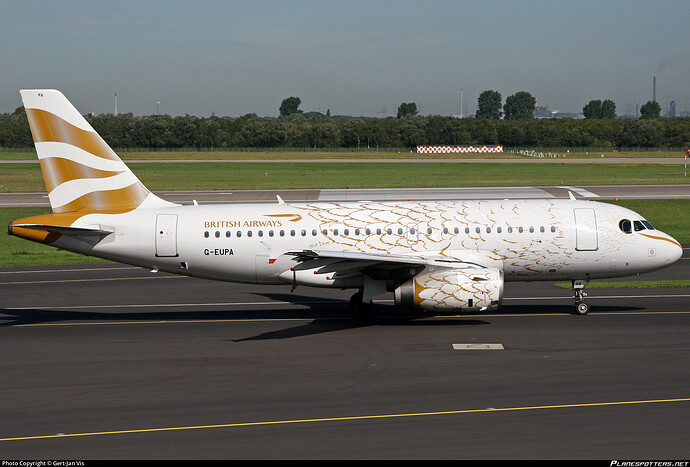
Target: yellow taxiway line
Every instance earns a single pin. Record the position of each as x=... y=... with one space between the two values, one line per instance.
x=341 y=419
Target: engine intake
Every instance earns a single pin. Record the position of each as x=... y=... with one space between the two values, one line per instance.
x=453 y=290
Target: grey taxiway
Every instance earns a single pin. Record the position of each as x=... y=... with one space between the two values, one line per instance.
x=106 y=361
x=392 y=194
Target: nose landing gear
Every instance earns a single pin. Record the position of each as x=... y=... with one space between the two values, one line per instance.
x=581 y=307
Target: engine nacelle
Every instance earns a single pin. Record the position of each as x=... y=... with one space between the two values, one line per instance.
x=453 y=290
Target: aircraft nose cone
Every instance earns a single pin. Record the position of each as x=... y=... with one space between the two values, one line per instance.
x=674 y=252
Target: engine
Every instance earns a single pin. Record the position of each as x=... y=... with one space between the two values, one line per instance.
x=453 y=290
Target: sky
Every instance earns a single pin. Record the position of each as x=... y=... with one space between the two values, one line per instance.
x=353 y=57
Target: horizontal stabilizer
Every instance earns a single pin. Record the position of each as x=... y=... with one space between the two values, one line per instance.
x=62 y=230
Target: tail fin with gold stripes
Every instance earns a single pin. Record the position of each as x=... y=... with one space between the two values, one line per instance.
x=82 y=173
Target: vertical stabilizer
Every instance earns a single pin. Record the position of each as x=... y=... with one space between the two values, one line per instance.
x=82 y=173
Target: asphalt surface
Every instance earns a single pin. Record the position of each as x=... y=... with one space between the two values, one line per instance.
x=114 y=362
x=392 y=194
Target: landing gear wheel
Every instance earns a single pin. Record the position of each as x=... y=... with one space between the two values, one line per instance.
x=581 y=308
x=356 y=300
x=362 y=312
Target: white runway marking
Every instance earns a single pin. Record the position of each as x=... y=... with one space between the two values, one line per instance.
x=37 y=271
x=478 y=347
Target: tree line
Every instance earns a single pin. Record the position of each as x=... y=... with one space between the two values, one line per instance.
x=315 y=130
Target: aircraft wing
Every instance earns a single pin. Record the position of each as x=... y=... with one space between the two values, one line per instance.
x=402 y=260
x=344 y=268
x=380 y=265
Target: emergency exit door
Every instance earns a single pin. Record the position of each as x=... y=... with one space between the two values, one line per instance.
x=586 y=235
x=166 y=235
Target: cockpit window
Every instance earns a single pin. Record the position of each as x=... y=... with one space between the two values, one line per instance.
x=627 y=225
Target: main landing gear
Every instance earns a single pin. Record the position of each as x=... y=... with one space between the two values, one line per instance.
x=361 y=311
x=581 y=307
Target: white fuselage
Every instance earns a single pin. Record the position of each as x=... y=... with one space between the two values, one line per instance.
x=527 y=239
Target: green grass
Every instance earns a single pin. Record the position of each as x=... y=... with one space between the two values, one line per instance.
x=18 y=156
x=286 y=175
x=629 y=284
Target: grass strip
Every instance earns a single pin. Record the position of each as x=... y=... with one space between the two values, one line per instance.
x=18 y=178
x=629 y=284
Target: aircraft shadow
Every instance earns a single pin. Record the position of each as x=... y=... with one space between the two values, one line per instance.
x=323 y=316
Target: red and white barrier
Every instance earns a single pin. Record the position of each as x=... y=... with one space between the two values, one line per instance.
x=457 y=149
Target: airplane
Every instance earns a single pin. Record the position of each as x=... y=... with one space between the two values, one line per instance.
x=436 y=256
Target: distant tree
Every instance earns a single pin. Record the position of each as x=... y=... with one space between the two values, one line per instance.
x=641 y=133
x=599 y=109
x=489 y=105
x=290 y=106
x=592 y=109
x=608 y=109
x=407 y=109
x=520 y=105
x=651 y=109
